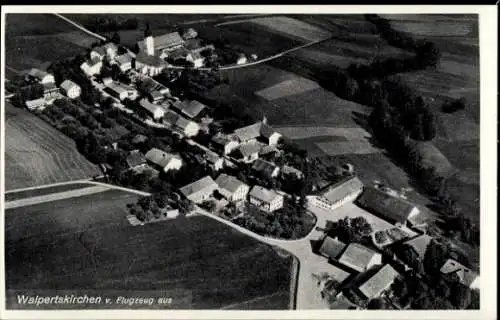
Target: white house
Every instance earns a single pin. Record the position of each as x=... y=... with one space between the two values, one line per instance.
x=111 y=50
x=37 y=104
x=265 y=169
x=41 y=76
x=199 y=190
x=71 y=89
x=97 y=53
x=337 y=195
x=231 y=188
x=149 y=65
x=154 y=110
x=187 y=127
x=195 y=58
x=248 y=152
x=359 y=257
x=242 y=59
x=224 y=143
x=91 y=67
x=163 y=160
x=258 y=131
x=265 y=199
x=124 y=62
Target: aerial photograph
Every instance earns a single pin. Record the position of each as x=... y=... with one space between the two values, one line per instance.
x=241 y=161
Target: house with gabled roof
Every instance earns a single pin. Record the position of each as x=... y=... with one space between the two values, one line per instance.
x=224 y=143
x=124 y=62
x=135 y=159
x=265 y=199
x=247 y=152
x=465 y=276
x=419 y=245
x=91 y=67
x=162 y=160
x=40 y=76
x=71 y=89
x=382 y=280
x=359 y=257
x=390 y=208
x=258 y=131
x=153 y=110
x=265 y=169
x=231 y=188
x=190 y=108
x=200 y=190
x=336 y=195
x=331 y=248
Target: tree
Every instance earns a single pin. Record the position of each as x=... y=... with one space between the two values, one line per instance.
x=454 y=105
x=145 y=203
x=461 y=296
x=115 y=38
x=155 y=210
x=376 y=304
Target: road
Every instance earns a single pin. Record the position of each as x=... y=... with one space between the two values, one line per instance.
x=229 y=67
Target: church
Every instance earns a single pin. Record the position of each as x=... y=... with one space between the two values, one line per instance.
x=161 y=45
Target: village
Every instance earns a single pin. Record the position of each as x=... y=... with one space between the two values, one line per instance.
x=376 y=243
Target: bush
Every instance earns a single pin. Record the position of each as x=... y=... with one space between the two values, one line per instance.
x=454 y=105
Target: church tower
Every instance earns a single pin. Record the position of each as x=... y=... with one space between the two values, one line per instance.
x=149 y=41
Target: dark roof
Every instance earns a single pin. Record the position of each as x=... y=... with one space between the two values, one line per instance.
x=191 y=108
x=332 y=247
x=264 y=167
x=388 y=207
x=379 y=282
x=135 y=158
x=420 y=244
x=342 y=189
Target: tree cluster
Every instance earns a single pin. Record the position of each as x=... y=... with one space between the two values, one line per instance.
x=108 y=24
x=349 y=230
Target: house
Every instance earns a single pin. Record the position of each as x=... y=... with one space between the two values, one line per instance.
x=224 y=143
x=375 y=285
x=248 y=152
x=91 y=67
x=71 y=89
x=359 y=257
x=172 y=213
x=98 y=53
x=189 y=34
x=36 y=104
x=121 y=91
x=139 y=138
x=200 y=190
x=163 y=160
x=231 y=188
x=331 y=248
x=152 y=87
x=419 y=245
x=166 y=42
x=267 y=200
x=390 y=208
x=338 y=194
x=50 y=90
x=135 y=159
x=265 y=169
x=153 y=110
x=288 y=171
x=465 y=276
x=149 y=65
x=187 y=127
x=124 y=62
x=242 y=59
x=215 y=162
x=259 y=130
x=191 y=108
x=111 y=50
x=196 y=59
x=41 y=76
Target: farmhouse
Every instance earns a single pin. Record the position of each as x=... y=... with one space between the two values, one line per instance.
x=393 y=209
x=466 y=277
x=98 y=53
x=331 y=248
x=265 y=169
x=135 y=159
x=339 y=193
x=149 y=65
x=91 y=67
x=187 y=127
x=224 y=143
x=379 y=282
x=258 y=130
x=163 y=160
x=419 y=245
x=41 y=76
x=36 y=104
x=267 y=200
x=196 y=59
x=71 y=89
x=199 y=190
x=231 y=188
x=359 y=257
x=155 y=90
x=191 y=108
x=50 y=90
x=247 y=152
x=124 y=62
x=291 y=171
x=121 y=91
x=153 y=110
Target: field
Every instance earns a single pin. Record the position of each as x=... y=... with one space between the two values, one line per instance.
x=37 y=154
x=45 y=191
x=85 y=243
x=34 y=39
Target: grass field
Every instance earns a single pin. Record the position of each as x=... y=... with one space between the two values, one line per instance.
x=37 y=154
x=34 y=39
x=45 y=191
x=86 y=243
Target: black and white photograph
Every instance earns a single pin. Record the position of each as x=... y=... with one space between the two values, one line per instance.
x=246 y=161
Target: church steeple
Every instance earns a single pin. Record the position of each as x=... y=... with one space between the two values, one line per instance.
x=149 y=41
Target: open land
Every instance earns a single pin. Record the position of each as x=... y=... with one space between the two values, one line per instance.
x=38 y=154
x=28 y=193
x=86 y=243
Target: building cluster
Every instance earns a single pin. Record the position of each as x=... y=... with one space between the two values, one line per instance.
x=359 y=274
x=51 y=91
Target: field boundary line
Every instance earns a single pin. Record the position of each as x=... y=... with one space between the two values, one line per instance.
x=44 y=186
x=80 y=26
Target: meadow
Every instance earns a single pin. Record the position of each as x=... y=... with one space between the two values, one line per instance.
x=15 y=195
x=86 y=243
x=38 y=154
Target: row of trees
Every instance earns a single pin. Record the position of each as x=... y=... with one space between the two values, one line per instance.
x=155 y=206
x=108 y=24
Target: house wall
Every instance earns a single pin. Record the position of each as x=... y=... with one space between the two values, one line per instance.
x=126 y=66
x=274 y=138
x=191 y=129
x=230 y=146
x=47 y=79
x=95 y=54
x=376 y=260
x=74 y=92
x=241 y=193
x=276 y=204
x=326 y=204
x=174 y=164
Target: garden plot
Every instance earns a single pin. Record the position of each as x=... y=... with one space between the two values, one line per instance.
x=292 y=28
